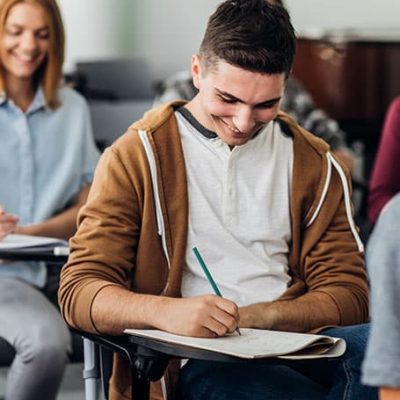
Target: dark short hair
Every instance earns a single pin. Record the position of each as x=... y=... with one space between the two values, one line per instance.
x=251 y=34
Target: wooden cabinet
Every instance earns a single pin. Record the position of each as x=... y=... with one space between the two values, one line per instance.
x=350 y=76
x=353 y=76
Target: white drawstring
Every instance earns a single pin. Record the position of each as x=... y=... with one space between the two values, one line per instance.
x=324 y=192
x=153 y=172
x=159 y=216
x=347 y=202
x=346 y=193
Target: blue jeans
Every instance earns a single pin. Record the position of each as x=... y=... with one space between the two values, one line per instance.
x=283 y=380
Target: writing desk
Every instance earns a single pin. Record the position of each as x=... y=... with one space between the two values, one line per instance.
x=148 y=358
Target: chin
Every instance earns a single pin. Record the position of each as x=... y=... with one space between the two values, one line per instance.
x=235 y=141
x=25 y=73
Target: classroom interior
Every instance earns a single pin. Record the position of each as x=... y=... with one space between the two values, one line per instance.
x=347 y=59
x=118 y=52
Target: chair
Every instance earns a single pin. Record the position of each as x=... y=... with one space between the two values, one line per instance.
x=147 y=364
x=148 y=358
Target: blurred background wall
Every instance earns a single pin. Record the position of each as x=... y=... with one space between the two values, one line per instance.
x=167 y=32
x=348 y=57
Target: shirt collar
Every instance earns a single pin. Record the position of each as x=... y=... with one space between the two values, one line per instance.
x=192 y=120
x=38 y=102
x=202 y=129
x=3 y=98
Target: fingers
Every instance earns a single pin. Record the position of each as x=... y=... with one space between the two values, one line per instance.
x=225 y=317
x=204 y=316
x=8 y=218
x=8 y=223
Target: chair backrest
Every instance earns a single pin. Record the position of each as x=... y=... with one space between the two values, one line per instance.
x=119 y=79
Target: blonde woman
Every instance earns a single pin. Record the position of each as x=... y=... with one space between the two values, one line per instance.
x=47 y=158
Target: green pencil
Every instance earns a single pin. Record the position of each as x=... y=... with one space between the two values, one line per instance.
x=209 y=276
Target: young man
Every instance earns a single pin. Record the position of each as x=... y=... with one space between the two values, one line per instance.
x=262 y=199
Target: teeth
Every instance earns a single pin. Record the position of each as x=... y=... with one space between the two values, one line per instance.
x=231 y=127
x=24 y=58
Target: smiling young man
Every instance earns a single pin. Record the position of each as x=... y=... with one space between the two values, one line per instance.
x=264 y=201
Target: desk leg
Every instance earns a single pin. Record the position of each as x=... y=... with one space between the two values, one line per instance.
x=91 y=372
x=140 y=387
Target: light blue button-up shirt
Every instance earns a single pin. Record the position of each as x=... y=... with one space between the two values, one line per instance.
x=46 y=157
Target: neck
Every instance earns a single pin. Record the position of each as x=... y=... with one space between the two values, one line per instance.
x=20 y=91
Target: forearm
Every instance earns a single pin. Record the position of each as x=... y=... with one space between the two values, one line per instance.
x=128 y=310
x=115 y=308
x=386 y=393
x=303 y=314
x=62 y=225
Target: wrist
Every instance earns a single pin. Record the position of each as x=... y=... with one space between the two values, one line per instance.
x=261 y=316
x=25 y=229
x=158 y=311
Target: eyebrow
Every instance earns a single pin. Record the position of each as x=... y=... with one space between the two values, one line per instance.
x=266 y=103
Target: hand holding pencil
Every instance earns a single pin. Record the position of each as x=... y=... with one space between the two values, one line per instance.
x=206 y=316
x=209 y=277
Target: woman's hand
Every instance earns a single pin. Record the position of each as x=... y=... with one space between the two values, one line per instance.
x=8 y=223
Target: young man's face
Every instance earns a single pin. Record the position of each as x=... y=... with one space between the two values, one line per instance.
x=233 y=102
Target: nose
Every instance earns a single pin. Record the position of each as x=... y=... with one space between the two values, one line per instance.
x=28 y=42
x=244 y=119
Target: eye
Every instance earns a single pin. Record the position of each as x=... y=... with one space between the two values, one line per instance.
x=227 y=100
x=43 y=35
x=13 y=31
x=265 y=106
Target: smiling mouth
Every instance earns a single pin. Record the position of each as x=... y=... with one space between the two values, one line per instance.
x=234 y=130
x=257 y=128
x=25 y=59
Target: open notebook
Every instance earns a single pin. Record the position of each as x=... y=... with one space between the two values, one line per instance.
x=256 y=343
x=24 y=242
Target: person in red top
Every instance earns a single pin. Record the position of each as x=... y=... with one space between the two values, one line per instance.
x=385 y=178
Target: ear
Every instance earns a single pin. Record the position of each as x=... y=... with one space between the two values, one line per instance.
x=196 y=70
